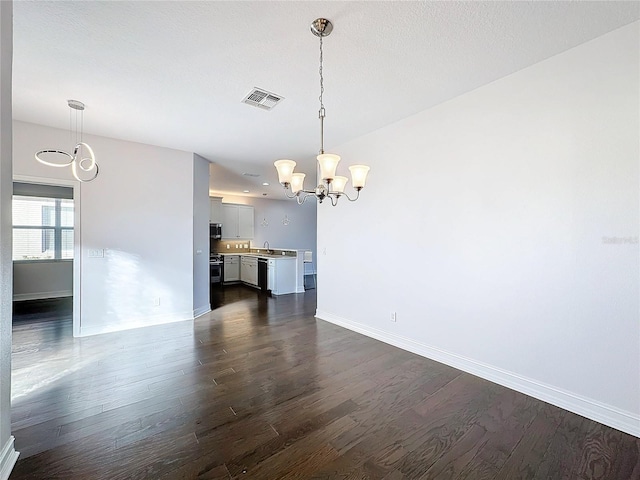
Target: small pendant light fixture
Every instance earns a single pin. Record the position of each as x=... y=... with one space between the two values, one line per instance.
x=332 y=185
x=77 y=159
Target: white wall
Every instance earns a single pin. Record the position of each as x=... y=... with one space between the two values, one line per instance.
x=8 y=455
x=510 y=196
x=35 y=280
x=140 y=211
x=201 y=207
x=299 y=234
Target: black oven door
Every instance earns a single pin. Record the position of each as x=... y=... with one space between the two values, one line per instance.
x=215 y=269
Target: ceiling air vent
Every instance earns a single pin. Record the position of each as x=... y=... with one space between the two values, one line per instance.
x=262 y=99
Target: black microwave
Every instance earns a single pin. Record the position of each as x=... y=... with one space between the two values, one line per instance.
x=215 y=231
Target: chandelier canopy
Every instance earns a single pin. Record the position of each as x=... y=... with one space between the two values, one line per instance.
x=331 y=186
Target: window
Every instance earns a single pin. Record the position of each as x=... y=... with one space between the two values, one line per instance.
x=42 y=228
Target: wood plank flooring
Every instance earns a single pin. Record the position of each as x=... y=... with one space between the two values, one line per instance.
x=259 y=389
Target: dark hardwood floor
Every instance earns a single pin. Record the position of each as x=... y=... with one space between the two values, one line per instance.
x=259 y=389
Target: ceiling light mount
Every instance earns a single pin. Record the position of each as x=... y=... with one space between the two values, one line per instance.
x=331 y=185
x=75 y=104
x=321 y=27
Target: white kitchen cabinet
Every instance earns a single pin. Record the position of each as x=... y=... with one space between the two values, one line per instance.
x=229 y=220
x=249 y=270
x=281 y=275
x=215 y=212
x=245 y=221
x=244 y=270
x=237 y=221
x=231 y=268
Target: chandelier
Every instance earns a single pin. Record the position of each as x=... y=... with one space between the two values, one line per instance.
x=331 y=185
x=77 y=160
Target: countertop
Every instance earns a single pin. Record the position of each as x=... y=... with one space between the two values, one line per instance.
x=260 y=255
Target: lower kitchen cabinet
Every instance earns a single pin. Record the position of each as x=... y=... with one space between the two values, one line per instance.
x=249 y=270
x=281 y=276
x=281 y=272
x=231 y=268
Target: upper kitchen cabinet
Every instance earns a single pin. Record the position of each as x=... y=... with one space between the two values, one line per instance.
x=215 y=214
x=237 y=221
x=245 y=221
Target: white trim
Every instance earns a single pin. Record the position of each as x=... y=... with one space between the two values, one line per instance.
x=624 y=421
x=45 y=180
x=77 y=237
x=141 y=322
x=77 y=260
x=8 y=458
x=198 y=312
x=18 y=297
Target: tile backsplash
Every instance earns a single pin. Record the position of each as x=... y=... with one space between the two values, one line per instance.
x=231 y=246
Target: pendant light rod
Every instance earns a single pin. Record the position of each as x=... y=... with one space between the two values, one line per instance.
x=321 y=27
x=321 y=112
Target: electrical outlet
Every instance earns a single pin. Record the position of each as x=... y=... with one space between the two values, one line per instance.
x=393 y=316
x=156 y=301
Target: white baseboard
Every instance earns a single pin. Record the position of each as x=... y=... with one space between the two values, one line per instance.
x=606 y=414
x=201 y=311
x=8 y=458
x=18 y=297
x=150 y=321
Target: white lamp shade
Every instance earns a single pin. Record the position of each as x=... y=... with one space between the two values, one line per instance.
x=358 y=175
x=328 y=164
x=297 y=182
x=285 y=170
x=338 y=183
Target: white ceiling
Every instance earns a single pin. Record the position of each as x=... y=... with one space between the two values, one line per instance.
x=173 y=74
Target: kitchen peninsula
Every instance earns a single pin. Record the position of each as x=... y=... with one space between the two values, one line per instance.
x=279 y=271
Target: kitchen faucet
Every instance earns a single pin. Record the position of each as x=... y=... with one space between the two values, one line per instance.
x=266 y=245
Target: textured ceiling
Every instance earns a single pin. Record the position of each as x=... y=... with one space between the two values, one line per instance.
x=174 y=73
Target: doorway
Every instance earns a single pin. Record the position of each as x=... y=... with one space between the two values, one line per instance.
x=46 y=249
